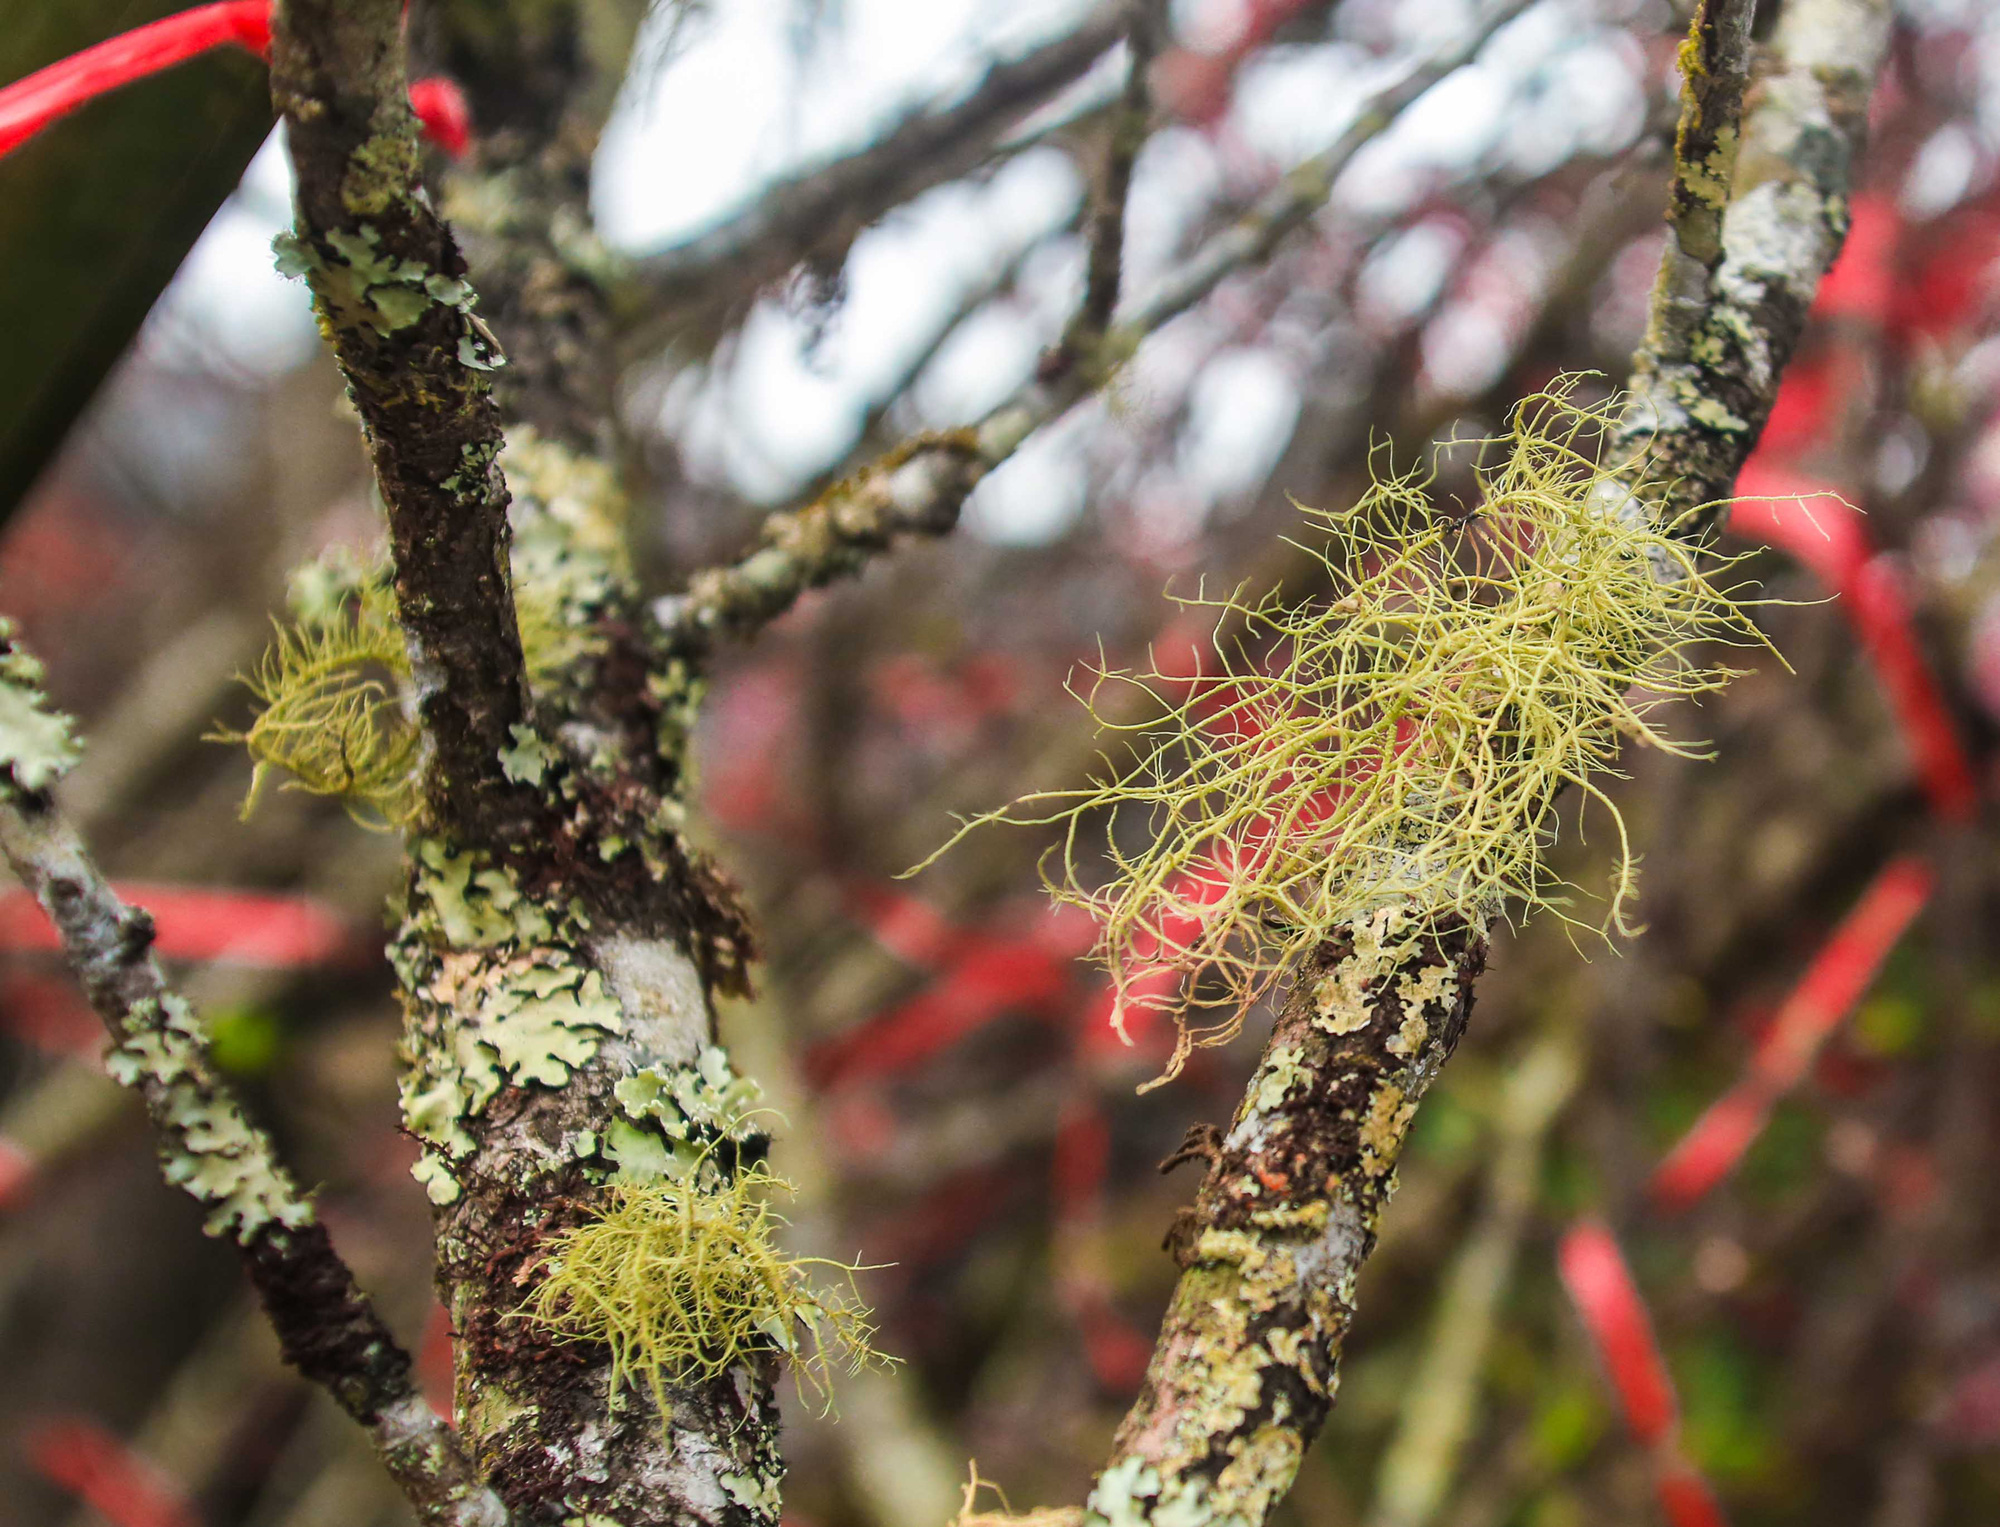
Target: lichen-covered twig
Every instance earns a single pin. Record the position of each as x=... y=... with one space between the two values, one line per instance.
x=915 y=489
x=390 y=287
x=208 y=1145
x=921 y=485
x=1247 y=1360
x=1248 y=1356
x=1755 y=220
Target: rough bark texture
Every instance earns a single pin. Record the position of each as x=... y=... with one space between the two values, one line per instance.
x=101 y=209
x=1750 y=233
x=388 y=280
x=1248 y=1357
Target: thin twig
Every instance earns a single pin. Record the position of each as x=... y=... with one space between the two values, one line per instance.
x=208 y=1146
x=817 y=214
x=1130 y=120
x=920 y=487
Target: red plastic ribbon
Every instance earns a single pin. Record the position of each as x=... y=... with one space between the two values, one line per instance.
x=1614 y=1315
x=29 y=105
x=1832 y=986
x=1808 y=519
x=197 y=923
x=80 y=1456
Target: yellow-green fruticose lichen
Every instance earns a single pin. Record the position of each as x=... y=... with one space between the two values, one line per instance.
x=1403 y=740
x=37 y=746
x=331 y=694
x=682 y=1280
x=208 y=1147
x=335 y=708
x=503 y=999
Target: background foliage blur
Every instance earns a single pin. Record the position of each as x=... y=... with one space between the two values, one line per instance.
x=956 y=1104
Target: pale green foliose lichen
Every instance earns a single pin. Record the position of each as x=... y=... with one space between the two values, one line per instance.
x=673 y=1115
x=37 y=746
x=511 y=1003
x=388 y=293
x=753 y=1492
x=528 y=759
x=208 y=1147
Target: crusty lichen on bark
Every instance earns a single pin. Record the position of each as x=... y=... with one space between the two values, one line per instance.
x=1247 y=1362
x=1736 y=280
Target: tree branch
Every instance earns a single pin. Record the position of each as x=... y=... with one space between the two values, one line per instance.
x=1749 y=236
x=920 y=487
x=326 y=1327
x=1130 y=121
x=389 y=284
x=1247 y=1360
x=816 y=215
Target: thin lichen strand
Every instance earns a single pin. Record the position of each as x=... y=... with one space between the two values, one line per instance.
x=1404 y=741
x=681 y=1279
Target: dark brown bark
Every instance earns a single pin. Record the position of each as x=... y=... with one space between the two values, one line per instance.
x=389 y=283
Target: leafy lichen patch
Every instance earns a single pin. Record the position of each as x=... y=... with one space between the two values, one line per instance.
x=37 y=746
x=207 y=1146
x=674 y=1116
x=498 y=995
x=355 y=280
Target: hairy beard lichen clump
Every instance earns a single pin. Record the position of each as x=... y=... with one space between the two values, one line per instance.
x=330 y=694
x=1404 y=741
x=334 y=709
x=681 y=1279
